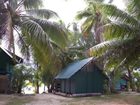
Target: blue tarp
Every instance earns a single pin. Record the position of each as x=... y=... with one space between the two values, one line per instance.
x=72 y=68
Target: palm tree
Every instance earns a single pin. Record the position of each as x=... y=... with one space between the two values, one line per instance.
x=94 y=20
x=30 y=22
x=121 y=35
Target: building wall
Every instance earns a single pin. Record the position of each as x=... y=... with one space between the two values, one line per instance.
x=62 y=83
x=72 y=86
x=6 y=68
x=80 y=80
x=89 y=80
x=5 y=63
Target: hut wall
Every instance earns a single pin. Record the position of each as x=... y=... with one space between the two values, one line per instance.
x=80 y=80
x=62 y=88
x=89 y=80
x=72 y=86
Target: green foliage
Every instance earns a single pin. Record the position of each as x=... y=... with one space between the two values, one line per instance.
x=94 y=20
x=121 y=36
x=32 y=3
x=33 y=27
x=44 y=40
x=55 y=31
x=137 y=82
x=21 y=73
x=42 y=13
x=78 y=43
x=47 y=78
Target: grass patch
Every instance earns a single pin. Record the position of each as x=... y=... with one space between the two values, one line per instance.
x=19 y=100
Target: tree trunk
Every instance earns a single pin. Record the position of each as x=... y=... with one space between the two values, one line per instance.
x=37 y=87
x=44 y=89
x=130 y=79
x=112 y=82
x=19 y=89
x=98 y=28
x=49 y=88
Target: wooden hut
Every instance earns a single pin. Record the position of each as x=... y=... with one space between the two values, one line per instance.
x=122 y=83
x=6 y=68
x=81 y=77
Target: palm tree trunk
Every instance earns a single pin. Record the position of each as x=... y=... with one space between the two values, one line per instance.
x=49 y=89
x=98 y=28
x=37 y=87
x=44 y=88
x=111 y=82
x=130 y=79
x=10 y=31
x=19 y=88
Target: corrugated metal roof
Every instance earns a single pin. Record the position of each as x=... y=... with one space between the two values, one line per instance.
x=71 y=69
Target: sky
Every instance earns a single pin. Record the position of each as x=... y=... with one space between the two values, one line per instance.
x=67 y=9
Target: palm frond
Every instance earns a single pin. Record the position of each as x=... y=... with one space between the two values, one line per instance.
x=56 y=32
x=42 y=56
x=87 y=25
x=134 y=8
x=13 y=4
x=24 y=47
x=43 y=13
x=83 y=14
x=88 y=1
x=35 y=31
x=101 y=48
x=117 y=14
x=22 y=42
x=30 y=4
x=119 y=30
x=41 y=53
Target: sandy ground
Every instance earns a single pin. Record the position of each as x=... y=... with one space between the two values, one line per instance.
x=4 y=99
x=51 y=99
x=48 y=99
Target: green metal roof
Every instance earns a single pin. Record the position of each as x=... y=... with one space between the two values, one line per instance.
x=72 y=68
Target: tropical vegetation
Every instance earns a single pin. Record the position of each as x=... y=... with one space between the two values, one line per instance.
x=121 y=37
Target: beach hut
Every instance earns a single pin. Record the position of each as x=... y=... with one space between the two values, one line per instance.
x=6 y=67
x=80 y=77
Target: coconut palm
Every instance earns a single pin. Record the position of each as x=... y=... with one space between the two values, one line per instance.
x=94 y=19
x=30 y=22
x=121 y=35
